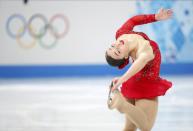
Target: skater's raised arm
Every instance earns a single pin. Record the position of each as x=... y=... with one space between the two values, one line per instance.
x=162 y=14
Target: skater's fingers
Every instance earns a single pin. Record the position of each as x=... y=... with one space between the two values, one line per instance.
x=115 y=80
x=114 y=88
x=169 y=13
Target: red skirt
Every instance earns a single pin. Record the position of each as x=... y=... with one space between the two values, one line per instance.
x=147 y=83
x=145 y=88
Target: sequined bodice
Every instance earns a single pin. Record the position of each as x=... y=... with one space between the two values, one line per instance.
x=152 y=70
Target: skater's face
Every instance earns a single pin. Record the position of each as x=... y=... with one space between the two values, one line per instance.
x=118 y=50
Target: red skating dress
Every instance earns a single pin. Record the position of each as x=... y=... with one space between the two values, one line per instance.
x=146 y=83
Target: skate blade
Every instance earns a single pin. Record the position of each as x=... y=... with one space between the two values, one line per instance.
x=110 y=99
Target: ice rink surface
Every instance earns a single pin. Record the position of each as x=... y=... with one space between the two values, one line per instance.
x=79 y=104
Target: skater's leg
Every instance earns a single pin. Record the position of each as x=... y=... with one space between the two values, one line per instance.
x=135 y=114
x=150 y=108
x=129 y=126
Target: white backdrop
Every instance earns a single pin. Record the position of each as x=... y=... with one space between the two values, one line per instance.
x=92 y=28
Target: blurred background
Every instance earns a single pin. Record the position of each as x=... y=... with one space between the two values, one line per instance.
x=53 y=73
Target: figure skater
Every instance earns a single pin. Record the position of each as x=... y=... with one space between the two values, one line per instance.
x=141 y=84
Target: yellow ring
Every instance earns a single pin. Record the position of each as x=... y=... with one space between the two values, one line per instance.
x=23 y=45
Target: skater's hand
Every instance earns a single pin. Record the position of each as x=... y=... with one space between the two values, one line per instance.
x=116 y=83
x=163 y=14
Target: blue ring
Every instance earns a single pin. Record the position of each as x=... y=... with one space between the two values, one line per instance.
x=14 y=16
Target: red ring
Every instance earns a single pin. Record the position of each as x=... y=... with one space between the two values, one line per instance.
x=66 y=22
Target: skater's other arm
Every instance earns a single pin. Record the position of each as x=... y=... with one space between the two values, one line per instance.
x=138 y=65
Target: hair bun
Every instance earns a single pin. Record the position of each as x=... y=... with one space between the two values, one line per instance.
x=124 y=64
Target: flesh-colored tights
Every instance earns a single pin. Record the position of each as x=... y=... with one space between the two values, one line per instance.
x=139 y=113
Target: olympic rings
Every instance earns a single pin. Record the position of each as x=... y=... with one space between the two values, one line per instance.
x=38 y=35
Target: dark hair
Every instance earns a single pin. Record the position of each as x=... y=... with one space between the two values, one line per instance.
x=114 y=62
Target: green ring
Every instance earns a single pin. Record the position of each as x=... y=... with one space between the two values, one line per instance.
x=42 y=44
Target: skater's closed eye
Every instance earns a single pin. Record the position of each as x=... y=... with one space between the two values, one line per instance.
x=116 y=54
